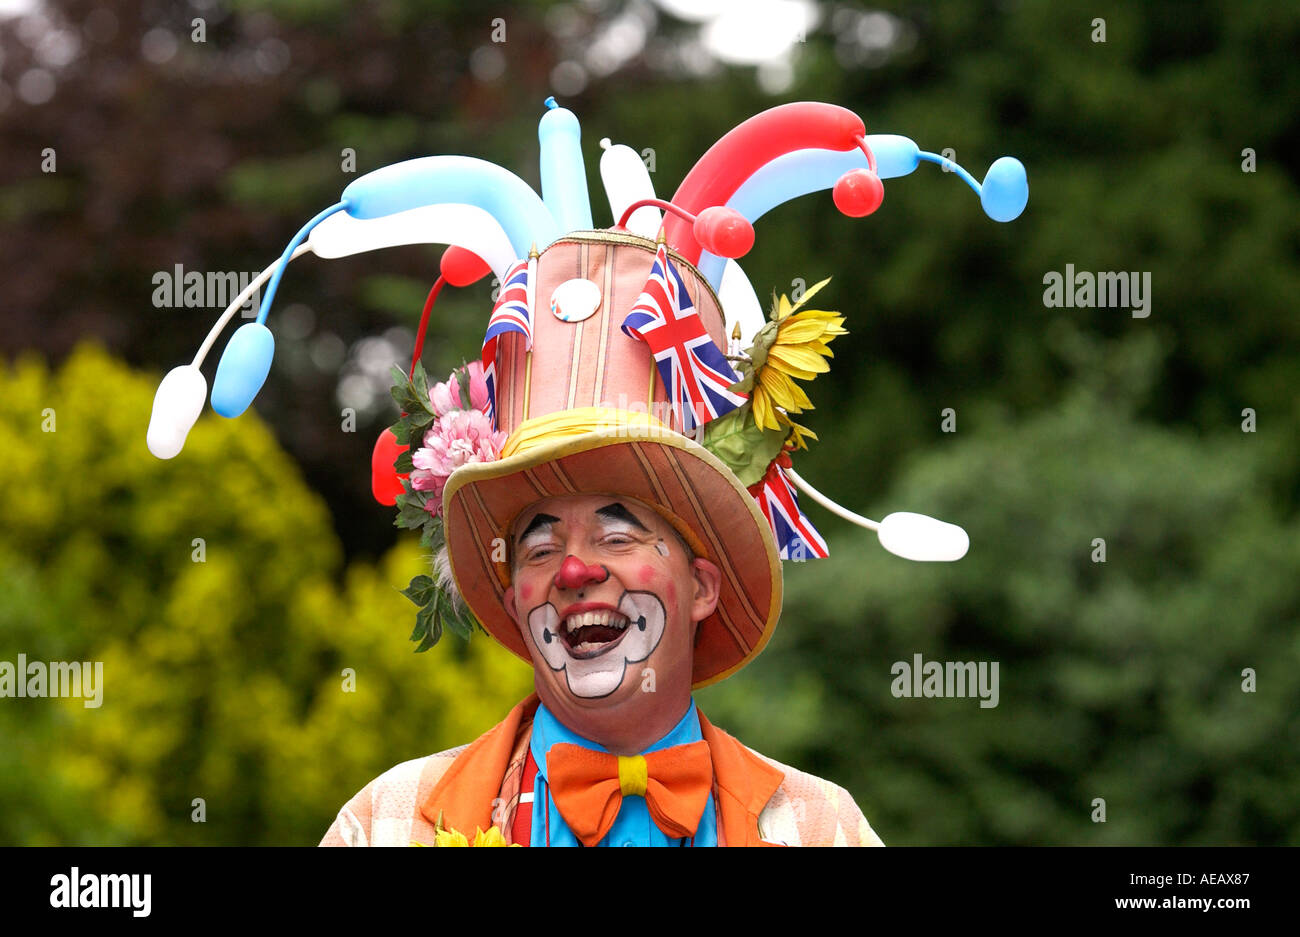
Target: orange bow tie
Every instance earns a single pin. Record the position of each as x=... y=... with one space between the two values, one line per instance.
x=589 y=786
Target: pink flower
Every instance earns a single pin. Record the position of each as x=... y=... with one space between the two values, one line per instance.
x=478 y=391
x=444 y=398
x=456 y=438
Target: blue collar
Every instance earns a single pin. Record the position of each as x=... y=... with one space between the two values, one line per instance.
x=547 y=730
x=632 y=826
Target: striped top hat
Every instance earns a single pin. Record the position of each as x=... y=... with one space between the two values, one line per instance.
x=587 y=410
x=633 y=360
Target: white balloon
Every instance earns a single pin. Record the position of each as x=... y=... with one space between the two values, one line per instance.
x=176 y=408
x=917 y=537
x=467 y=226
x=740 y=304
x=626 y=181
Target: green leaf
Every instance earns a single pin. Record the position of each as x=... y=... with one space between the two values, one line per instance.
x=421 y=628
x=411 y=510
x=462 y=378
x=453 y=621
x=433 y=628
x=404 y=462
x=420 y=590
x=421 y=382
x=747 y=450
x=399 y=376
x=436 y=534
x=402 y=432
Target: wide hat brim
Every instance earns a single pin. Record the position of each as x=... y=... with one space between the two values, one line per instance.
x=689 y=486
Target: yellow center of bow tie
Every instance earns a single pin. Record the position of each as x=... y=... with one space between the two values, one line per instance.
x=632 y=775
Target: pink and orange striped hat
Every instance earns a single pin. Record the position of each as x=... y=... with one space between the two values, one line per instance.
x=587 y=413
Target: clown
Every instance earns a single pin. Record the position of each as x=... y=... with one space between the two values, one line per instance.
x=608 y=492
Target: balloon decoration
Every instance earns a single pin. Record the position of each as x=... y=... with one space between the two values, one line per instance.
x=564 y=174
x=750 y=146
x=462 y=267
x=385 y=483
x=858 y=193
x=490 y=218
x=467 y=226
x=627 y=180
x=176 y=408
x=243 y=368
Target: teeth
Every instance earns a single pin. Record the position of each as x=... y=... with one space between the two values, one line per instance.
x=599 y=617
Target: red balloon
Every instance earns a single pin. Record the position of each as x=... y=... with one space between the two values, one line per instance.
x=858 y=192
x=724 y=231
x=385 y=483
x=461 y=267
x=750 y=146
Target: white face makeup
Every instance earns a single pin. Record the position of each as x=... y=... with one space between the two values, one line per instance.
x=593 y=648
x=589 y=625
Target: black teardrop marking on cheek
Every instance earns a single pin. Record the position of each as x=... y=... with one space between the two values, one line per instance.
x=546 y=635
x=640 y=623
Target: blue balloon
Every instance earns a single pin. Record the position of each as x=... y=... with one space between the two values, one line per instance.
x=564 y=174
x=803 y=172
x=430 y=180
x=1005 y=191
x=243 y=369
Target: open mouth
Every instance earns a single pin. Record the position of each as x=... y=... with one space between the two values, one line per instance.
x=593 y=633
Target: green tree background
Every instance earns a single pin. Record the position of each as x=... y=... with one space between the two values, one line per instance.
x=1119 y=680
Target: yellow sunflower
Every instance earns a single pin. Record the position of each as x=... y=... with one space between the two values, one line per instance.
x=449 y=837
x=793 y=345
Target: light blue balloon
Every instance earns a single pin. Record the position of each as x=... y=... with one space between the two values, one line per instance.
x=564 y=174
x=1005 y=191
x=243 y=368
x=432 y=180
x=803 y=172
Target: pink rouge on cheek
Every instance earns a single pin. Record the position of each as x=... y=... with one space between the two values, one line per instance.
x=526 y=592
x=645 y=574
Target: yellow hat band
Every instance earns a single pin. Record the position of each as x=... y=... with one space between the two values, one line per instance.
x=556 y=427
x=563 y=424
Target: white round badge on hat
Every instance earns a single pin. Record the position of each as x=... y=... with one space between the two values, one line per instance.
x=575 y=300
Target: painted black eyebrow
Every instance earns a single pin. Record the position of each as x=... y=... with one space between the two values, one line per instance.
x=616 y=511
x=539 y=520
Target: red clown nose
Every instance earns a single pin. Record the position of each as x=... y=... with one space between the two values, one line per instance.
x=574 y=573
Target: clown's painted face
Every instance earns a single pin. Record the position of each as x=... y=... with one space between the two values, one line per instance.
x=605 y=595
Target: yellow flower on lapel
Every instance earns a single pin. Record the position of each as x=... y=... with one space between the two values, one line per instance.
x=444 y=836
x=450 y=838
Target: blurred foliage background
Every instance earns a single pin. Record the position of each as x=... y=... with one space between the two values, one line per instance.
x=224 y=679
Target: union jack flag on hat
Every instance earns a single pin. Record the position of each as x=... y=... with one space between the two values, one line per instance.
x=512 y=313
x=796 y=537
x=693 y=369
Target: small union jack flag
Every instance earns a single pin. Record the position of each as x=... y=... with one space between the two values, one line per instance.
x=796 y=537
x=512 y=313
x=693 y=369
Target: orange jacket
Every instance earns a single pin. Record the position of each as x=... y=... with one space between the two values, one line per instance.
x=759 y=801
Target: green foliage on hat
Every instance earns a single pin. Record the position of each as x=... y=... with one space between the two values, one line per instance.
x=437 y=607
